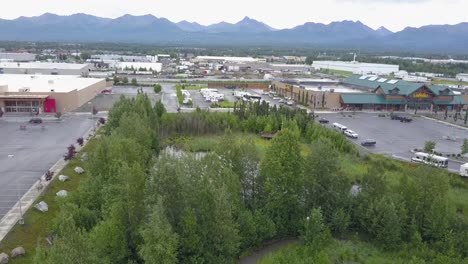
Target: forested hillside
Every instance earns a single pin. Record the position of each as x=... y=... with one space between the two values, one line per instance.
x=142 y=204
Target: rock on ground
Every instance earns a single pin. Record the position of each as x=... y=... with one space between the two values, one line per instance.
x=62 y=193
x=18 y=252
x=79 y=170
x=42 y=206
x=63 y=178
x=3 y=258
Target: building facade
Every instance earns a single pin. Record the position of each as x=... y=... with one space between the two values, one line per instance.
x=356 y=67
x=44 y=68
x=388 y=94
x=46 y=93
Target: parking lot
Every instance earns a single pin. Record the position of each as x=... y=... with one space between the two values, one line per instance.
x=25 y=155
x=104 y=102
x=398 y=139
x=199 y=101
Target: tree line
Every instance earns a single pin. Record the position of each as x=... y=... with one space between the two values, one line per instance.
x=140 y=204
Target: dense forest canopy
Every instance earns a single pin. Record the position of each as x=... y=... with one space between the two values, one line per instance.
x=143 y=204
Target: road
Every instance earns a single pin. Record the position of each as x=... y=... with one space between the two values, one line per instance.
x=169 y=97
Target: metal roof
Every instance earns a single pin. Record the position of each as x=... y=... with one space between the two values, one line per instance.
x=405 y=88
x=457 y=100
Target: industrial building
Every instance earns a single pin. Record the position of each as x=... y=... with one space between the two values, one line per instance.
x=17 y=56
x=356 y=67
x=462 y=77
x=23 y=93
x=224 y=59
x=138 y=66
x=44 y=68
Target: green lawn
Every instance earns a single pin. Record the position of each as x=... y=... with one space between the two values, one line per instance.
x=192 y=86
x=223 y=104
x=37 y=224
x=448 y=82
x=340 y=251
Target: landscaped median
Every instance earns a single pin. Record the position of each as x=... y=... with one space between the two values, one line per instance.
x=37 y=225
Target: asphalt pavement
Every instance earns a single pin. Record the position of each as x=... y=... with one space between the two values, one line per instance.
x=25 y=155
x=398 y=139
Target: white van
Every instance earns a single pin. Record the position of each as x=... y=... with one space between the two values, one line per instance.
x=464 y=170
x=430 y=159
x=340 y=127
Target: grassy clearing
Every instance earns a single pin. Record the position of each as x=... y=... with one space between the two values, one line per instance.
x=37 y=224
x=448 y=82
x=340 y=251
x=191 y=86
x=223 y=104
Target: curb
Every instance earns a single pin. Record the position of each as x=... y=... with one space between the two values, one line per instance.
x=29 y=198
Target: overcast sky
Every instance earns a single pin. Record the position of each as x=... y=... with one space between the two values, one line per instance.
x=393 y=14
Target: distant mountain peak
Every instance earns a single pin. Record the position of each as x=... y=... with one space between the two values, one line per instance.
x=383 y=31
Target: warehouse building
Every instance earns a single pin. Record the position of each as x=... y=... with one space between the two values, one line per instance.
x=140 y=66
x=22 y=93
x=44 y=68
x=356 y=67
x=17 y=56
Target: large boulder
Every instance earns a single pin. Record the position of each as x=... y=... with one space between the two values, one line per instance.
x=62 y=193
x=3 y=258
x=79 y=170
x=42 y=206
x=18 y=252
x=63 y=178
x=84 y=156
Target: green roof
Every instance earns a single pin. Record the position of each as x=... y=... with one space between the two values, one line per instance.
x=357 y=98
x=387 y=85
x=457 y=100
x=355 y=80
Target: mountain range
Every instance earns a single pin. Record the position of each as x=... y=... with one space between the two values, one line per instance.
x=148 y=29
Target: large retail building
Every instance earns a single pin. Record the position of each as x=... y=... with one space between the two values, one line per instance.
x=23 y=93
x=369 y=92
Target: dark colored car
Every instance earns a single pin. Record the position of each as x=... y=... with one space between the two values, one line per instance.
x=35 y=120
x=323 y=121
x=368 y=143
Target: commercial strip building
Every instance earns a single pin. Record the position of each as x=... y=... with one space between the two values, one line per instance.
x=45 y=68
x=356 y=67
x=22 y=93
x=363 y=92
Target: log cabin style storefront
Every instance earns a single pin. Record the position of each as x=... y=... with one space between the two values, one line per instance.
x=396 y=95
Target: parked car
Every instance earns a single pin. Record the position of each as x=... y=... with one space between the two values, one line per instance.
x=35 y=120
x=282 y=101
x=290 y=102
x=323 y=121
x=106 y=91
x=368 y=143
x=350 y=133
x=276 y=98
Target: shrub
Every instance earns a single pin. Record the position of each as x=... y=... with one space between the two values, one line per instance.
x=102 y=120
x=80 y=141
x=48 y=175
x=70 y=154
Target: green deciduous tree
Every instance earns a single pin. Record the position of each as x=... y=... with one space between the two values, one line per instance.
x=281 y=174
x=160 y=243
x=429 y=146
